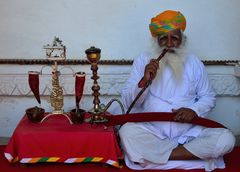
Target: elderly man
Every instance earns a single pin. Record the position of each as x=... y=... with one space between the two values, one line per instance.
x=180 y=85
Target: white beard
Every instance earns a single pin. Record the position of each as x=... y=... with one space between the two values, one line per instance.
x=175 y=60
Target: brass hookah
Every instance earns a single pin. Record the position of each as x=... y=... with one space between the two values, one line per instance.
x=56 y=97
x=98 y=111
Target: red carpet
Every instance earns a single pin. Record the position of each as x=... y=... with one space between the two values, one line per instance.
x=232 y=162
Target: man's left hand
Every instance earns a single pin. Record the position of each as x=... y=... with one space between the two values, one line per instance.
x=184 y=114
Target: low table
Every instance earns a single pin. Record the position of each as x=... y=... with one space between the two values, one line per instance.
x=56 y=140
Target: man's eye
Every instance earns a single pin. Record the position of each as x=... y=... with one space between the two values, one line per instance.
x=163 y=39
x=175 y=38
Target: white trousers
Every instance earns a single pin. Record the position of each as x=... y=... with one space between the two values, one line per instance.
x=141 y=146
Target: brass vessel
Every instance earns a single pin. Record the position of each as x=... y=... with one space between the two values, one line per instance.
x=56 y=97
x=98 y=110
x=56 y=52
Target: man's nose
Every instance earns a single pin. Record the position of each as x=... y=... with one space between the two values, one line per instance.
x=170 y=43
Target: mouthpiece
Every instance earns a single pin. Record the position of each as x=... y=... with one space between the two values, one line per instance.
x=143 y=83
x=162 y=54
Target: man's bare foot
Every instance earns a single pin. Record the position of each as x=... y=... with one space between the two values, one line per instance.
x=181 y=153
x=143 y=164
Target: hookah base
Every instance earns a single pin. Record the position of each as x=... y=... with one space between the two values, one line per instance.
x=96 y=119
x=57 y=112
x=62 y=114
x=99 y=121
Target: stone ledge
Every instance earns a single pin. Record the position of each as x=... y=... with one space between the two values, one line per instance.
x=35 y=61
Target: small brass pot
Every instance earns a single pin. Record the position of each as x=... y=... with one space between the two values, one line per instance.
x=35 y=114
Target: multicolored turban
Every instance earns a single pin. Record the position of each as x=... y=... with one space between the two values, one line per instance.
x=167 y=21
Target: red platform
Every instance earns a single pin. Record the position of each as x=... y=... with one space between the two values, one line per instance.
x=56 y=140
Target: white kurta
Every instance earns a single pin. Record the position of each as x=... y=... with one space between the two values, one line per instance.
x=165 y=94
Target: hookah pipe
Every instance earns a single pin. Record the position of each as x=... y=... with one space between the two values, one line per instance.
x=149 y=82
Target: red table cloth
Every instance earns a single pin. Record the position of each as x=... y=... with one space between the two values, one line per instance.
x=56 y=140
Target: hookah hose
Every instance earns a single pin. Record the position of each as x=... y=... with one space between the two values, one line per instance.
x=120 y=119
x=148 y=83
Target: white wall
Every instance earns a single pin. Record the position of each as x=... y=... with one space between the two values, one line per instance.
x=118 y=27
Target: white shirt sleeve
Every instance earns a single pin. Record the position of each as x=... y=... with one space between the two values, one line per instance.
x=130 y=90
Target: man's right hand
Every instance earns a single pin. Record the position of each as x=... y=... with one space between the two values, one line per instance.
x=184 y=114
x=150 y=72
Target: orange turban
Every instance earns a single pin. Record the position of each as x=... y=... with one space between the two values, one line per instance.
x=167 y=21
